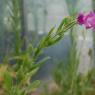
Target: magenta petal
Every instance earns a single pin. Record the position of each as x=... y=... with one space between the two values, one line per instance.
x=91 y=14
x=88 y=20
x=93 y=21
x=88 y=27
x=80 y=19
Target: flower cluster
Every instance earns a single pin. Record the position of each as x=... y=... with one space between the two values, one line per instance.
x=87 y=20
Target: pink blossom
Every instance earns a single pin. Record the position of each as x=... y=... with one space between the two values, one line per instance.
x=80 y=19
x=87 y=20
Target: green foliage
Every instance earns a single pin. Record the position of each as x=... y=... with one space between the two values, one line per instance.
x=33 y=86
x=70 y=82
x=67 y=78
x=16 y=78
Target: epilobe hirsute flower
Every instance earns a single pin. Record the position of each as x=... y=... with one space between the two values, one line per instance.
x=88 y=20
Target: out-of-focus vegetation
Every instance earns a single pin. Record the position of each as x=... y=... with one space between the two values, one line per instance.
x=21 y=59
x=66 y=78
x=67 y=81
x=21 y=63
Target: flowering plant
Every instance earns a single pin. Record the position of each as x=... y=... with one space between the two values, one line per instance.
x=15 y=79
x=66 y=78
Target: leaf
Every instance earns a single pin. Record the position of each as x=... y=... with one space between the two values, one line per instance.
x=54 y=40
x=32 y=72
x=38 y=64
x=50 y=32
x=67 y=21
x=33 y=86
x=43 y=42
x=8 y=81
x=30 y=48
x=60 y=26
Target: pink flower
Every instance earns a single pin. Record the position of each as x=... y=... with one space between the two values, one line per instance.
x=87 y=20
x=80 y=19
x=90 y=20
